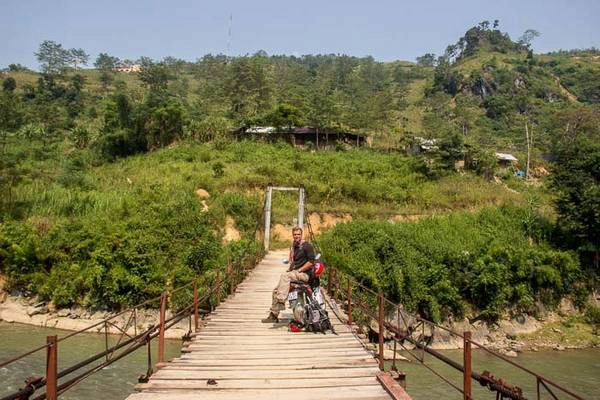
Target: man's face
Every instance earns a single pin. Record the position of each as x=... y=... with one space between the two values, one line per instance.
x=297 y=235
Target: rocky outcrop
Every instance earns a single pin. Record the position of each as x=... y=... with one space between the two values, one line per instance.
x=202 y=194
x=33 y=312
x=319 y=222
x=231 y=233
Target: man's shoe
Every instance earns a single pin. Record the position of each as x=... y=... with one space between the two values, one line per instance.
x=271 y=319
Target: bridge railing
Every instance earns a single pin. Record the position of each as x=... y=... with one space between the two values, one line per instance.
x=184 y=302
x=414 y=335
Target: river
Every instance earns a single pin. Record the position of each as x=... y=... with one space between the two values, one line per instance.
x=114 y=382
x=577 y=369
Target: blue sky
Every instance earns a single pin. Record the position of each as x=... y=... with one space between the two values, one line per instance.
x=387 y=30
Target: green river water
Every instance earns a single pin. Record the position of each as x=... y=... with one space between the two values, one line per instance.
x=577 y=369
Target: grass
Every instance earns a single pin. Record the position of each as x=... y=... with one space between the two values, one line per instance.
x=414 y=112
x=483 y=57
x=364 y=183
x=570 y=331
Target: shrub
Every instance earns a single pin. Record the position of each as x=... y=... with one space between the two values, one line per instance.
x=218 y=169
x=122 y=143
x=592 y=314
x=438 y=266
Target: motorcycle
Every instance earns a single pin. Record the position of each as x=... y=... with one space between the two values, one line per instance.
x=307 y=302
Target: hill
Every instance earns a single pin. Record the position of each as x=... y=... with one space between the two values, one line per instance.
x=487 y=88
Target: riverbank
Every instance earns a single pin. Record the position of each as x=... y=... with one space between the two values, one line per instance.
x=521 y=333
x=16 y=309
x=510 y=336
x=558 y=330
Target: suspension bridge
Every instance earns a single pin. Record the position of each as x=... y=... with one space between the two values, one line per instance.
x=235 y=356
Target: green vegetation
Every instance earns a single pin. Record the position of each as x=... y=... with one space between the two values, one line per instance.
x=116 y=234
x=577 y=71
x=477 y=264
x=576 y=181
x=79 y=230
x=99 y=168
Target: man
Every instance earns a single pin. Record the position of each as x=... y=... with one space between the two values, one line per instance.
x=302 y=259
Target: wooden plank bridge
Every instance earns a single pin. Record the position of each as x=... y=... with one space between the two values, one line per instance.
x=235 y=356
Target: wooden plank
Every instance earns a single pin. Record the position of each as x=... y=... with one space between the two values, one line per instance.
x=297 y=338
x=317 y=348
x=298 y=383
x=179 y=373
x=190 y=364
x=265 y=335
x=289 y=356
x=272 y=361
x=283 y=364
x=393 y=388
x=349 y=393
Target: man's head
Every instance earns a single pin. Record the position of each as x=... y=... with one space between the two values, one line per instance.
x=297 y=234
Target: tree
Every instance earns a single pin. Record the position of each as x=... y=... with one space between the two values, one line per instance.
x=208 y=129
x=9 y=84
x=369 y=103
x=105 y=62
x=284 y=116
x=249 y=87
x=107 y=65
x=164 y=124
x=53 y=58
x=79 y=57
x=576 y=181
x=10 y=115
x=155 y=77
x=73 y=95
x=527 y=37
x=105 y=79
x=17 y=67
x=446 y=79
x=426 y=60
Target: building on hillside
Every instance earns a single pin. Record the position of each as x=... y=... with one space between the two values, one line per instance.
x=128 y=68
x=506 y=160
x=304 y=136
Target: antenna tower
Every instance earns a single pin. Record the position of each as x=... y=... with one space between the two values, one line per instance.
x=229 y=35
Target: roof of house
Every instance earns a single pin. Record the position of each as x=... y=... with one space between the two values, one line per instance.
x=427 y=144
x=261 y=129
x=303 y=130
x=505 y=157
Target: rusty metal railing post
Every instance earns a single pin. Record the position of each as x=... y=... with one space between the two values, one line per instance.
x=106 y=339
x=218 y=286
x=51 y=368
x=231 y=279
x=196 y=306
x=336 y=286
x=349 y=298
x=467 y=392
x=161 y=331
x=380 y=323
